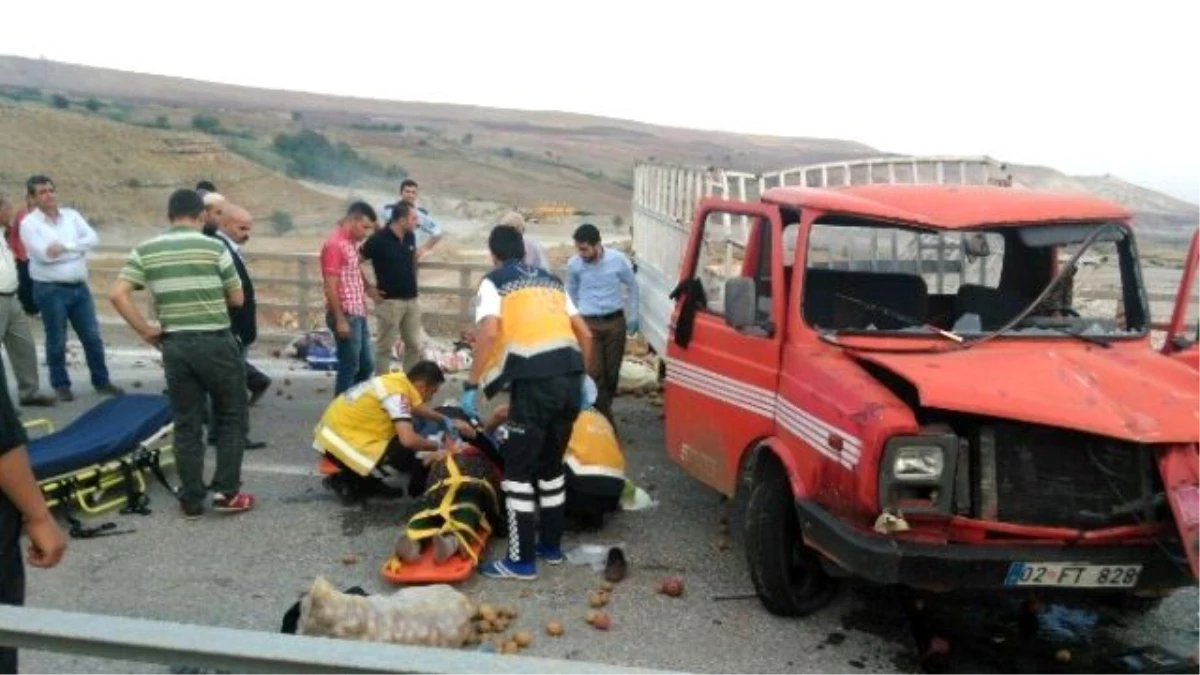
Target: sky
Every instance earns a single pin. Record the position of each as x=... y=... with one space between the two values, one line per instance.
x=1084 y=87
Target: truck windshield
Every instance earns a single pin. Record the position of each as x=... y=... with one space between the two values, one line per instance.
x=864 y=277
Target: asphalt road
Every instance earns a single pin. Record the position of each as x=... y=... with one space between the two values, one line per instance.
x=244 y=571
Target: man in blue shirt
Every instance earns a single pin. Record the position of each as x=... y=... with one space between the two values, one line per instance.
x=596 y=275
x=428 y=233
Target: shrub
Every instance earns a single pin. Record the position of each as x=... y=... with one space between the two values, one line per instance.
x=206 y=123
x=92 y=105
x=59 y=101
x=281 y=222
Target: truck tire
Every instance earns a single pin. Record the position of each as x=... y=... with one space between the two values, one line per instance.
x=787 y=575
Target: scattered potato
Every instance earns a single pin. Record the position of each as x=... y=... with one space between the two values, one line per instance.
x=488 y=612
x=523 y=638
x=554 y=628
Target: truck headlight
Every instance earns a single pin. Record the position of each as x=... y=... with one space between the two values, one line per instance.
x=917 y=473
x=918 y=463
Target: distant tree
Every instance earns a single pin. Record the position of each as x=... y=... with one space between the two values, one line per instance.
x=206 y=123
x=297 y=115
x=162 y=122
x=467 y=138
x=507 y=152
x=281 y=222
x=311 y=155
x=92 y=105
x=59 y=101
x=618 y=221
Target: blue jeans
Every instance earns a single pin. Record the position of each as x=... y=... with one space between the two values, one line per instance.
x=355 y=362
x=60 y=303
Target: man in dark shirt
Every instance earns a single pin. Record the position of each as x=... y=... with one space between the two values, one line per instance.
x=392 y=251
x=233 y=229
x=21 y=504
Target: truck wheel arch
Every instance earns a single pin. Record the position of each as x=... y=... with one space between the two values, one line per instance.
x=760 y=458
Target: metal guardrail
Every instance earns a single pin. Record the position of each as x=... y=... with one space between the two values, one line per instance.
x=247 y=651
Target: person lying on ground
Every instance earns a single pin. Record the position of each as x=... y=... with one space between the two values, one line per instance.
x=463 y=495
x=370 y=426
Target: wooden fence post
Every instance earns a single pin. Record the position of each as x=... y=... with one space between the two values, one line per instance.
x=464 y=300
x=302 y=316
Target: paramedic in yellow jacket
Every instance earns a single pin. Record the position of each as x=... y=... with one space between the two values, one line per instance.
x=371 y=424
x=595 y=470
x=531 y=340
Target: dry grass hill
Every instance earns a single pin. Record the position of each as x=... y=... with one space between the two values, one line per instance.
x=117 y=142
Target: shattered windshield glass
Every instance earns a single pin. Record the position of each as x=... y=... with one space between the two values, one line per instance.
x=867 y=277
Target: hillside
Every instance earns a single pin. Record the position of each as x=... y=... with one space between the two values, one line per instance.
x=120 y=175
x=1157 y=216
x=122 y=140
x=511 y=156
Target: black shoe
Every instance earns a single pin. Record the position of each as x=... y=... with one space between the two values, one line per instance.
x=255 y=445
x=191 y=511
x=110 y=389
x=615 y=567
x=259 y=392
x=65 y=395
x=38 y=401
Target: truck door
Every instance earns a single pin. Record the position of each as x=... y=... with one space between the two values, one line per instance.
x=724 y=342
x=1178 y=464
x=1183 y=341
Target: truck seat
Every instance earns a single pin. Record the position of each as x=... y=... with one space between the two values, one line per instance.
x=905 y=294
x=994 y=306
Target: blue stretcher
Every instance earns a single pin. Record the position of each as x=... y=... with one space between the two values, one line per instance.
x=111 y=445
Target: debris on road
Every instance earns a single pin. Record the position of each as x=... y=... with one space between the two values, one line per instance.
x=672 y=586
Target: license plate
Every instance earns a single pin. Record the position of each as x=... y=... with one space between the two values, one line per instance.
x=1072 y=575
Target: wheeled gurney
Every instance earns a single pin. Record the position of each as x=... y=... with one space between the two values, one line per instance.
x=110 y=446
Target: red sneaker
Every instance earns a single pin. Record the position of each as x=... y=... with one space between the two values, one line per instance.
x=235 y=503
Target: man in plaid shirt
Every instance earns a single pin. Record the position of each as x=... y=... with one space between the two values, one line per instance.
x=346 y=291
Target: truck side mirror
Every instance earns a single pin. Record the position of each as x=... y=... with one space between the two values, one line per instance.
x=741 y=302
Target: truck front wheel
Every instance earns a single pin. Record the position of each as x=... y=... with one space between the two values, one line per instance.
x=787 y=575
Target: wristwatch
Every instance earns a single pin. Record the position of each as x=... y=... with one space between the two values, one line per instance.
x=470 y=386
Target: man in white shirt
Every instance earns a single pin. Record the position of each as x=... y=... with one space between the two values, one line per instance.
x=15 y=331
x=57 y=241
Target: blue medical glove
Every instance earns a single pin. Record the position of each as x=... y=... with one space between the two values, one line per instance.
x=632 y=325
x=469 y=402
x=449 y=428
x=588 y=392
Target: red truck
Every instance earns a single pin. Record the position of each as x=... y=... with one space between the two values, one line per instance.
x=939 y=386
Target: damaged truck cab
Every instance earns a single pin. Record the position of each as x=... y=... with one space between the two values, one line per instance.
x=909 y=383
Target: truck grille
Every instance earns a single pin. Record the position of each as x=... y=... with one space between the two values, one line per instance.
x=1055 y=477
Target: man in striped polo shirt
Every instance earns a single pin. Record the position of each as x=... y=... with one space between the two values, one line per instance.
x=193 y=280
